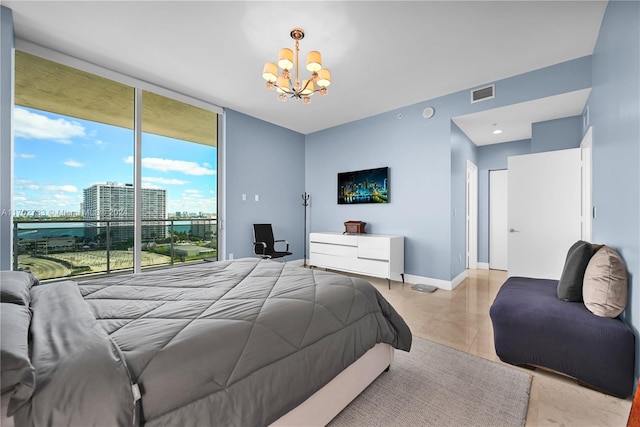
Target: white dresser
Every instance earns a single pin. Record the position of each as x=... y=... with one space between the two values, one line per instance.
x=367 y=254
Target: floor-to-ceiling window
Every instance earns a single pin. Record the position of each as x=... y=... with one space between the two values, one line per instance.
x=74 y=174
x=179 y=179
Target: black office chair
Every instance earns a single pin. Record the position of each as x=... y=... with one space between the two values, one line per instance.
x=264 y=243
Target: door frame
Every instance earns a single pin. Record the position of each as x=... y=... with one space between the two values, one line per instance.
x=471 y=218
x=587 y=196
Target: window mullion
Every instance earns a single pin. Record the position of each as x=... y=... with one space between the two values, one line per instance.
x=137 y=182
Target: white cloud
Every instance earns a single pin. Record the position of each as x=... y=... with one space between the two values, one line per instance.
x=65 y=188
x=37 y=126
x=25 y=184
x=48 y=198
x=167 y=165
x=74 y=164
x=163 y=181
x=26 y=156
x=63 y=197
x=192 y=204
x=95 y=143
x=100 y=144
x=192 y=200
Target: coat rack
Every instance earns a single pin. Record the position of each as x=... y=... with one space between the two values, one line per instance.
x=305 y=203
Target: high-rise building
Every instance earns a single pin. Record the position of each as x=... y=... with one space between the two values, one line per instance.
x=112 y=201
x=204 y=228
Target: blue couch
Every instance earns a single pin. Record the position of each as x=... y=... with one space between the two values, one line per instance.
x=533 y=327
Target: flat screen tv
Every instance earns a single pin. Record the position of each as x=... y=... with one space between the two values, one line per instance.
x=364 y=186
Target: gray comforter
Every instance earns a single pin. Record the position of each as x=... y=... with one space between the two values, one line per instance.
x=220 y=343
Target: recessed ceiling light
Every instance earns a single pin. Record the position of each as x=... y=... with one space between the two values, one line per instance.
x=496 y=131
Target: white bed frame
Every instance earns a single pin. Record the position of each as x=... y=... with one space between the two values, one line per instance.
x=326 y=403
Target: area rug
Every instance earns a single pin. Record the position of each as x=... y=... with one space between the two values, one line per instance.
x=435 y=385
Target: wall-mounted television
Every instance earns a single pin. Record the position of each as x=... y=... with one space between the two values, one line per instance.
x=363 y=186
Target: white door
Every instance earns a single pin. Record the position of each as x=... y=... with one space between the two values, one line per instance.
x=498 y=225
x=472 y=215
x=544 y=193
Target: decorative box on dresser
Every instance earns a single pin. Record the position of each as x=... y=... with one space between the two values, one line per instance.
x=374 y=255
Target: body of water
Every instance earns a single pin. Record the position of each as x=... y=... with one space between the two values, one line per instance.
x=41 y=230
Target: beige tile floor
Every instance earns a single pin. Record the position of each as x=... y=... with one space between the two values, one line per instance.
x=460 y=319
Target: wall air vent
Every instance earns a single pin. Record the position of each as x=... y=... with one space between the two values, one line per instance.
x=483 y=93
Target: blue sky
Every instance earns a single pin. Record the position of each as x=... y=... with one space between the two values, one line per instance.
x=56 y=157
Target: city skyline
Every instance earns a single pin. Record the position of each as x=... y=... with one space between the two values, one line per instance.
x=57 y=157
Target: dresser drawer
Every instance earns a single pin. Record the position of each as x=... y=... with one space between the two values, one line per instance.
x=337 y=239
x=331 y=249
x=373 y=248
x=333 y=262
x=373 y=268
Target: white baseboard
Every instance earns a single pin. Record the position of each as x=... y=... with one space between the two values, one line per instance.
x=448 y=285
x=458 y=279
x=483 y=266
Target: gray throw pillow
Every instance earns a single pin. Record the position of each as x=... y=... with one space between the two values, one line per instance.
x=18 y=374
x=15 y=286
x=570 y=284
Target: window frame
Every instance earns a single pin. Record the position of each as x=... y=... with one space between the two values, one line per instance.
x=140 y=86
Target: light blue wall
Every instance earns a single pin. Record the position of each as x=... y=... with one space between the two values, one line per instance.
x=462 y=150
x=614 y=112
x=418 y=151
x=559 y=134
x=6 y=130
x=268 y=160
x=492 y=157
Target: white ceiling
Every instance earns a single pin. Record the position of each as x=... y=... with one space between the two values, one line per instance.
x=382 y=55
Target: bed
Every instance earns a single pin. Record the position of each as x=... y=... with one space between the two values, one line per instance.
x=244 y=342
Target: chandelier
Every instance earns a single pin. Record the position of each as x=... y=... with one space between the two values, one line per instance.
x=318 y=81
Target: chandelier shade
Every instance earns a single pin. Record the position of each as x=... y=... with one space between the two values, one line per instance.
x=289 y=64
x=282 y=85
x=314 y=61
x=270 y=72
x=324 y=78
x=285 y=59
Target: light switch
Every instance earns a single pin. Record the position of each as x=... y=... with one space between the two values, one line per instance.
x=257 y=197
x=244 y=197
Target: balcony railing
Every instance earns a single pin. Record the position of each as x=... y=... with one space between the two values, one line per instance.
x=65 y=248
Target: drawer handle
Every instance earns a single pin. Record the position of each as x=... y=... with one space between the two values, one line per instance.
x=374 y=259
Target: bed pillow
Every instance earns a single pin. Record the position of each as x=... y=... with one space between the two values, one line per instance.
x=605 y=283
x=571 y=280
x=15 y=286
x=18 y=374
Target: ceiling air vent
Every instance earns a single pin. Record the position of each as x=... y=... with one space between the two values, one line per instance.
x=483 y=93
